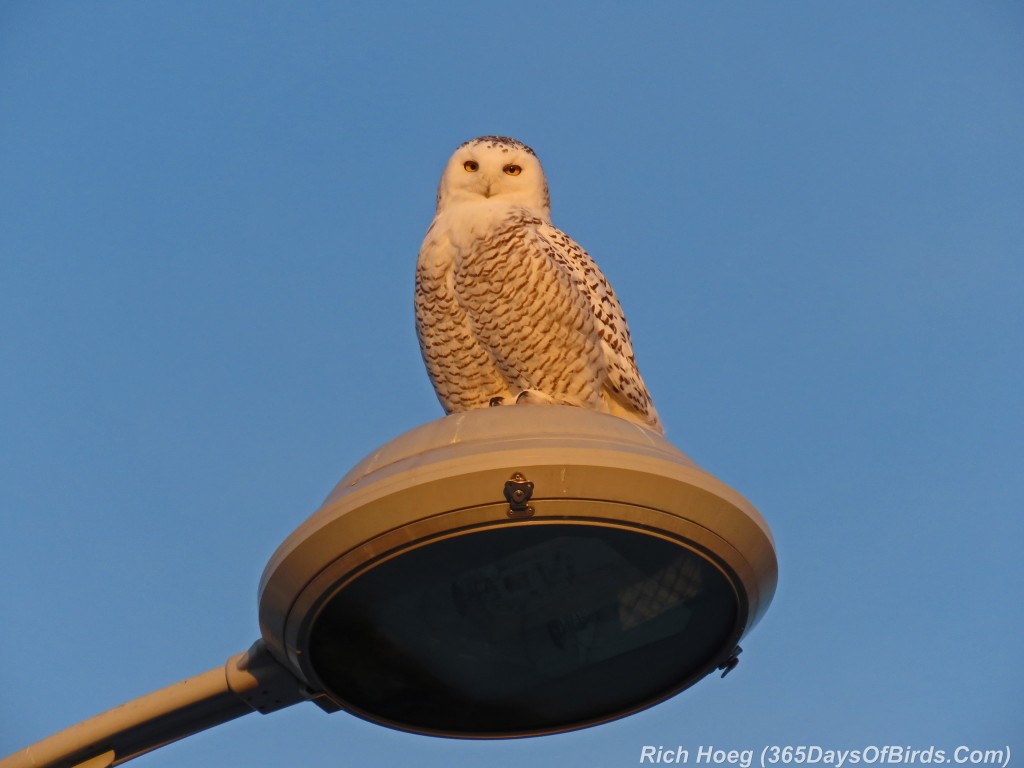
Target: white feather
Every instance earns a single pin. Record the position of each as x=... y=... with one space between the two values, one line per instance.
x=509 y=307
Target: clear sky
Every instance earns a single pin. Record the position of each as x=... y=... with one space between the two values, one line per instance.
x=813 y=214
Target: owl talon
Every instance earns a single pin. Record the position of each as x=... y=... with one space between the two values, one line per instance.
x=496 y=401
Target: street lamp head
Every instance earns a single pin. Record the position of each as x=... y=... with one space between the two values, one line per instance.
x=517 y=571
x=510 y=571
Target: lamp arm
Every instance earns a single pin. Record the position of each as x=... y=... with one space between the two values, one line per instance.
x=252 y=681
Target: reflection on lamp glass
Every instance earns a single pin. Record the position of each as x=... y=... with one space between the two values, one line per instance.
x=523 y=628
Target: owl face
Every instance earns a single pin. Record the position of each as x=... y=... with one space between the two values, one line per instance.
x=494 y=169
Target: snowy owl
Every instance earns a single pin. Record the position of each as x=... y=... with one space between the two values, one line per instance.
x=510 y=309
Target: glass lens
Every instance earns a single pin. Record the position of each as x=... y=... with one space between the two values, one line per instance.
x=523 y=628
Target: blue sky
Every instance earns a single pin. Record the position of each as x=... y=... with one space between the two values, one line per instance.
x=811 y=212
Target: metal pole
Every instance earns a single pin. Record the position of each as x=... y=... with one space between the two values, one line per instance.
x=248 y=682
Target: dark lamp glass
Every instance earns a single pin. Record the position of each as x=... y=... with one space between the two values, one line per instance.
x=523 y=628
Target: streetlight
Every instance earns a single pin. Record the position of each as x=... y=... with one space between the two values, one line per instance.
x=503 y=572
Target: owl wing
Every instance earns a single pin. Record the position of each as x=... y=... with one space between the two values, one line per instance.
x=547 y=316
x=525 y=311
x=623 y=388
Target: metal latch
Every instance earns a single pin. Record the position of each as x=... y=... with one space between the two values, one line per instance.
x=518 y=491
x=731 y=663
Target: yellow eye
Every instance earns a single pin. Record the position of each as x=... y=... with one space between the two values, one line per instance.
x=471 y=165
x=512 y=170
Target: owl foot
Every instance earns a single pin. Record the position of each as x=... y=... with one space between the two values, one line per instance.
x=533 y=397
x=496 y=401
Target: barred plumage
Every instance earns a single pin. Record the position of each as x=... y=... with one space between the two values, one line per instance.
x=509 y=308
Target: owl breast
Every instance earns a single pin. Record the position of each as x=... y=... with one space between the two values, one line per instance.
x=463 y=372
x=496 y=318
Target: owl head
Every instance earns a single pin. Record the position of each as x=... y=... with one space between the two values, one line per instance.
x=495 y=169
